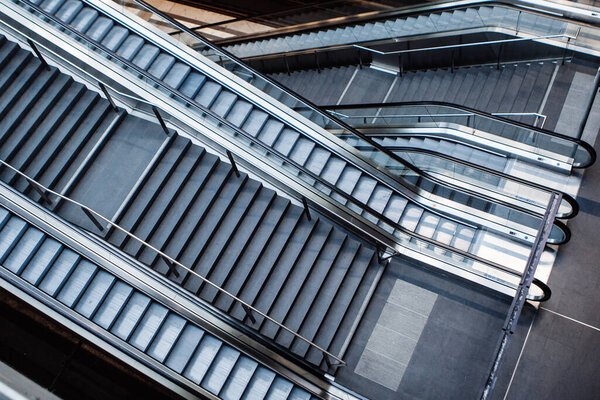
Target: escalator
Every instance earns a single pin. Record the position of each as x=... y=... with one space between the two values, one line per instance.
x=223 y=101
x=450 y=137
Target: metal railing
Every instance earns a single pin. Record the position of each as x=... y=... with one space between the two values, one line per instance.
x=514 y=311
x=418 y=238
x=538 y=116
x=461 y=45
x=566 y=12
x=583 y=153
x=102 y=223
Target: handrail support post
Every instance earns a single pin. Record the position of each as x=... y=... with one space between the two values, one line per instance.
x=161 y=121
x=249 y=313
x=43 y=194
x=108 y=97
x=385 y=255
x=400 y=65
x=590 y=103
x=499 y=55
x=287 y=65
x=306 y=210
x=233 y=164
x=93 y=219
x=171 y=266
x=38 y=54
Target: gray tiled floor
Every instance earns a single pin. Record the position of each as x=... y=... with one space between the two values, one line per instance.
x=448 y=330
x=396 y=333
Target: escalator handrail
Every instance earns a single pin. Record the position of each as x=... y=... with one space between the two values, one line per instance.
x=567 y=197
x=555 y=10
x=383 y=218
x=326 y=115
x=588 y=148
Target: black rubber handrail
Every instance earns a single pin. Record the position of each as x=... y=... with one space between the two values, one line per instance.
x=588 y=148
x=345 y=126
x=411 y=11
x=383 y=218
x=567 y=197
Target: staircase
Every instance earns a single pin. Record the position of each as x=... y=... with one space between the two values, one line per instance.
x=512 y=88
x=62 y=275
x=311 y=275
x=458 y=19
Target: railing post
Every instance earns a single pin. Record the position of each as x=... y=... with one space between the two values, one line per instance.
x=38 y=54
x=384 y=255
x=43 y=194
x=360 y=63
x=499 y=55
x=452 y=62
x=306 y=211
x=317 y=61
x=161 y=121
x=233 y=164
x=108 y=96
x=400 y=65
x=326 y=359
x=249 y=314
x=171 y=265
x=518 y=302
x=287 y=65
x=93 y=219
x=564 y=57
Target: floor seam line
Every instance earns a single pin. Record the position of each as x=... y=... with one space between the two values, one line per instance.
x=512 y=377
x=571 y=319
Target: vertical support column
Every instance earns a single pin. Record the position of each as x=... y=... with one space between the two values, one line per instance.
x=38 y=54
x=108 y=97
x=520 y=298
x=233 y=164
x=161 y=121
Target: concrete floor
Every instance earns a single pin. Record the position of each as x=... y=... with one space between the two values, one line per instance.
x=424 y=336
